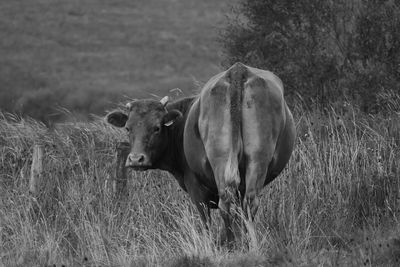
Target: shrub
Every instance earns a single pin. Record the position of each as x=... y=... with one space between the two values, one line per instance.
x=321 y=49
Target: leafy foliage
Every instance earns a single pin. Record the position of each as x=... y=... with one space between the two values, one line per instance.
x=328 y=50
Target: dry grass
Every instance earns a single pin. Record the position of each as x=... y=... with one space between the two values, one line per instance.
x=335 y=205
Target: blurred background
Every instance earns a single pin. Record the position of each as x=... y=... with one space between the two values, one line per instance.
x=59 y=57
x=63 y=59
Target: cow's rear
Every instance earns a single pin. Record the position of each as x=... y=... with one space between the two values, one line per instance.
x=245 y=125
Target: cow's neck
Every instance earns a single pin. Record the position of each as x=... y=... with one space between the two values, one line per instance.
x=173 y=160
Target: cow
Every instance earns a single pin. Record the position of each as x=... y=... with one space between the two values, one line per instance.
x=224 y=144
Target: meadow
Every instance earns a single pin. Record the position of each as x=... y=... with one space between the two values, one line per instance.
x=336 y=203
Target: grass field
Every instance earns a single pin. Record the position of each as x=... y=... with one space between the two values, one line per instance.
x=336 y=204
x=86 y=55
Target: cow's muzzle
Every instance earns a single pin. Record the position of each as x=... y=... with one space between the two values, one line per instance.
x=138 y=161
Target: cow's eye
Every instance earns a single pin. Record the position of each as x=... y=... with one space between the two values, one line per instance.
x=156 y=129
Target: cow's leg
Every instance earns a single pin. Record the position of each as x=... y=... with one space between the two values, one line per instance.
x=227 y=197
x=223 y=161
x=256 y=173
x=199 y=198
x=204 y=212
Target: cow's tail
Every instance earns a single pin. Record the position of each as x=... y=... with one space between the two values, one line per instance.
x=236 y=76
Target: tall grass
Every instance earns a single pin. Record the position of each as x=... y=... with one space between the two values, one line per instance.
x=335 y=204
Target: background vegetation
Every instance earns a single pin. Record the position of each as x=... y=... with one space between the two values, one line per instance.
x=330 y=51
x=83 y=57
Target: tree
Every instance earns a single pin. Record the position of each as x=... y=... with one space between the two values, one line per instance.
x=322 y=49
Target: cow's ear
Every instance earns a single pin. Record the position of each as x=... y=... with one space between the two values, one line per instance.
x=171 y=117
x=117 y=118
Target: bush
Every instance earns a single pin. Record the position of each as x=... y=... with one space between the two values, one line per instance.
x=326 y=50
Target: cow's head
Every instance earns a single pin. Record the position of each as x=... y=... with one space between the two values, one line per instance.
x=146 y=122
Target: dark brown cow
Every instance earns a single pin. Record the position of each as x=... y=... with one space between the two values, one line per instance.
x=231 y=140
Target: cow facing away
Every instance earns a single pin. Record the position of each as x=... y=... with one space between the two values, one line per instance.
x=227 y=143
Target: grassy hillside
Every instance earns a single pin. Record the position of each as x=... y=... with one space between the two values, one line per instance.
x=336 y=204
x=85 y=55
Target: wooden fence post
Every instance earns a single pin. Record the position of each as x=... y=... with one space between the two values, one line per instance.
x=36 y=168
x=120 y=181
